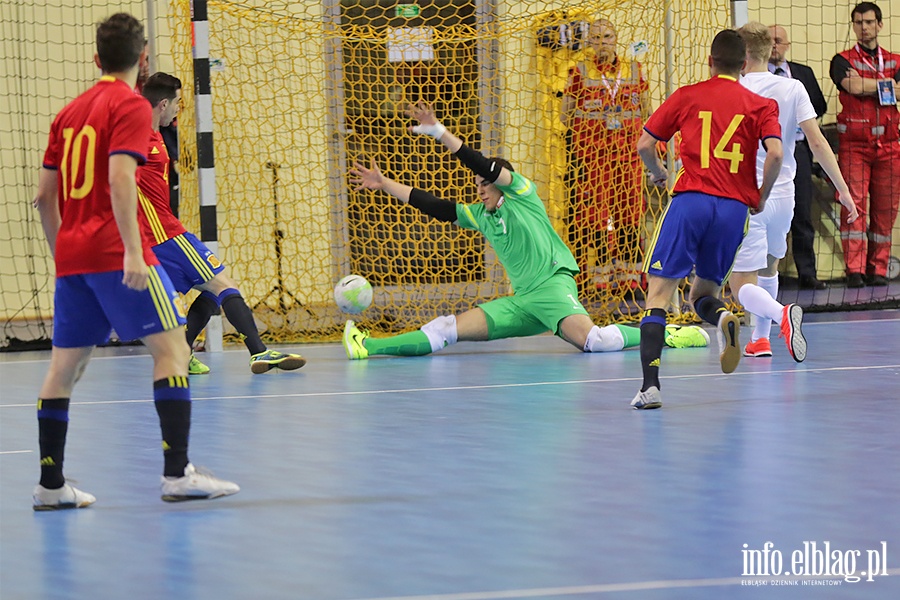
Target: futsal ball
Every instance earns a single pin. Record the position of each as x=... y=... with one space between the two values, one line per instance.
x=353 y=294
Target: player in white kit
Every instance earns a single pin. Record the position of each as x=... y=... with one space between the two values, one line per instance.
x=754 y=277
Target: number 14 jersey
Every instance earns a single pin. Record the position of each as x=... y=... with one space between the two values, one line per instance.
x=721 y=124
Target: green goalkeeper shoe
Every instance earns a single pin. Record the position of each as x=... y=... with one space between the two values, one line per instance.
x=689 y=336
x=195 y=367
x=353 y=342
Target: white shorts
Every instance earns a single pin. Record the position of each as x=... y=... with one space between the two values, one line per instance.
x=767 y=235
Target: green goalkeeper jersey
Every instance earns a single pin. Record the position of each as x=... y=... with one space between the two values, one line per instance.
x=521 y=234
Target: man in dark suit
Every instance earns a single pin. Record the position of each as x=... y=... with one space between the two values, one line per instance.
x=802 y=230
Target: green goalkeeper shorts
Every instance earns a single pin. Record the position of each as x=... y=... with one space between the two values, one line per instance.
x=535 y=312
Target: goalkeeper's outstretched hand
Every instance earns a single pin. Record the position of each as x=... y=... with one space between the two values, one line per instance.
x=368 y=179
x=428 y=123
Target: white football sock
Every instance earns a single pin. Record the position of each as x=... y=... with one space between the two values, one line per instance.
x=758 y=301
x=606 y=339
x=763 y=327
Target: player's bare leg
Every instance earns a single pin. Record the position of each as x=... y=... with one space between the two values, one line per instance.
x=471 y=326
x=67 y=365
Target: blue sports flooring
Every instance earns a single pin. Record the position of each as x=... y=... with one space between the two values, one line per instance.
x=510 y=469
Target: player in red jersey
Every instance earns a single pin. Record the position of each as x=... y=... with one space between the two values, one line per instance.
x=107 y=277
x=721 y=124
x=187 y=260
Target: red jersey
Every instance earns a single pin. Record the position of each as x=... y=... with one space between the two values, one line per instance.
x=105 y=120
x=157 y=222
x=721 y=124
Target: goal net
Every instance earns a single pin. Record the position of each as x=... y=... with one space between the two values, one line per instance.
x=302 y=90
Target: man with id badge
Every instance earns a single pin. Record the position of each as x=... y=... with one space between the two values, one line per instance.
x=605 y=102
x=868 y=78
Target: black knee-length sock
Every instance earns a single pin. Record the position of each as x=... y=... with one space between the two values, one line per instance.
x=653 y=335
x=709 y=309
x=202 y=308
x=172 y=398
x=53 y=424
x=239 y=314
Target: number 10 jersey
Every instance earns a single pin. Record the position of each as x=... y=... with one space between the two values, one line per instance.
x=107 y=119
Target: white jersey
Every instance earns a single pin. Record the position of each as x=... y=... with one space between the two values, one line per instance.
x=794 y=107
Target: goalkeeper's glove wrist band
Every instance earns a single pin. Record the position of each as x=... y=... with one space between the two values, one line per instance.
x=437 y=130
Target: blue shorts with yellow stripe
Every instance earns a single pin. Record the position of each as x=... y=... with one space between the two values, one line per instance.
x=697 y=230
x=86 y=308
x=188 y=261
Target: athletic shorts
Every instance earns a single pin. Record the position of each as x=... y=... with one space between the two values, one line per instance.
x=540 y=310
x=188 y=261
x=697 y=230
x=86 y=308
x=767 y=235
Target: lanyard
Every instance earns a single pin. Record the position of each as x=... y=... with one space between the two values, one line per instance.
x=614 y=89
x=863 y=56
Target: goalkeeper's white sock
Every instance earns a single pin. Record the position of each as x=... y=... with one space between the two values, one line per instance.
x=441 y=332
x=606 y=339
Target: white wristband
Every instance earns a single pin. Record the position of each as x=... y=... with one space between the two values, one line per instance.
x=436 y=131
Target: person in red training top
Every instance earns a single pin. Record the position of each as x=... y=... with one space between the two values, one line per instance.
x=605 y=102
x=187 y=260
x=107 y=277
x=867 y=79
x=721 y=124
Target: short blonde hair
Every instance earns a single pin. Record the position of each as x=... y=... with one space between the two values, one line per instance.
x=758 y=40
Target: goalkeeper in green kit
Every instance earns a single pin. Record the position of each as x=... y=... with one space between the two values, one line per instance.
x=539 y=265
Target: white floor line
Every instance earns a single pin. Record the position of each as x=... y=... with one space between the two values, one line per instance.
x=481 y=387
x=142 y=352
x=623 y=587
x=298 y=348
